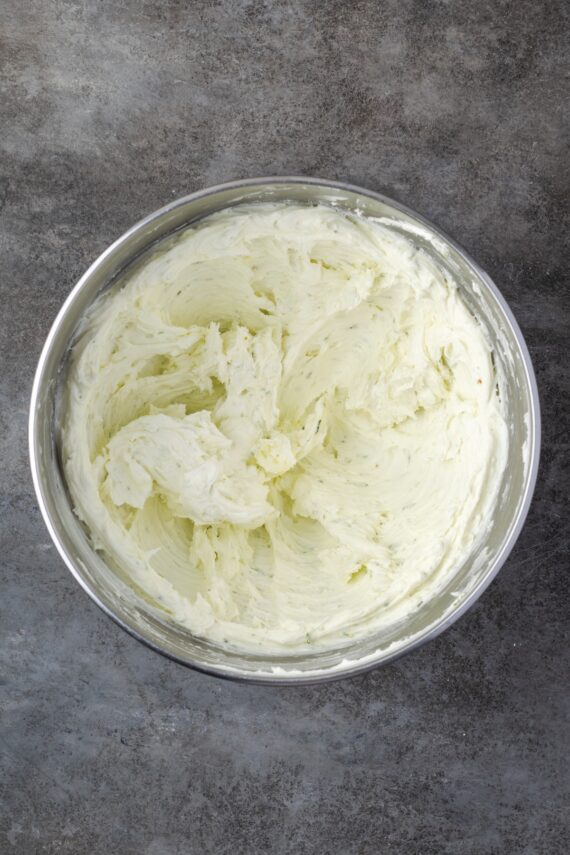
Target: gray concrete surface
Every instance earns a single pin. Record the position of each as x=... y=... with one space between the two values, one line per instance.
x=108 y=110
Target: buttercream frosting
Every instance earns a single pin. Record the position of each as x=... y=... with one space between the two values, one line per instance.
x=284 y=426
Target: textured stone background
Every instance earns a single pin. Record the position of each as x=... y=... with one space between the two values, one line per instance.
x=111 y=108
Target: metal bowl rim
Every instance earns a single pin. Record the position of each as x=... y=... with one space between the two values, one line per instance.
x=338 y=672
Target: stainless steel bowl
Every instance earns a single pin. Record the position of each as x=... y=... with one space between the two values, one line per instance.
x=127 y=606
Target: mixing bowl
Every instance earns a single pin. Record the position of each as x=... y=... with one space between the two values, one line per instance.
x=128 y=606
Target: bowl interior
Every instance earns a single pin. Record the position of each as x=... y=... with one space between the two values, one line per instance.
x=128 y=606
